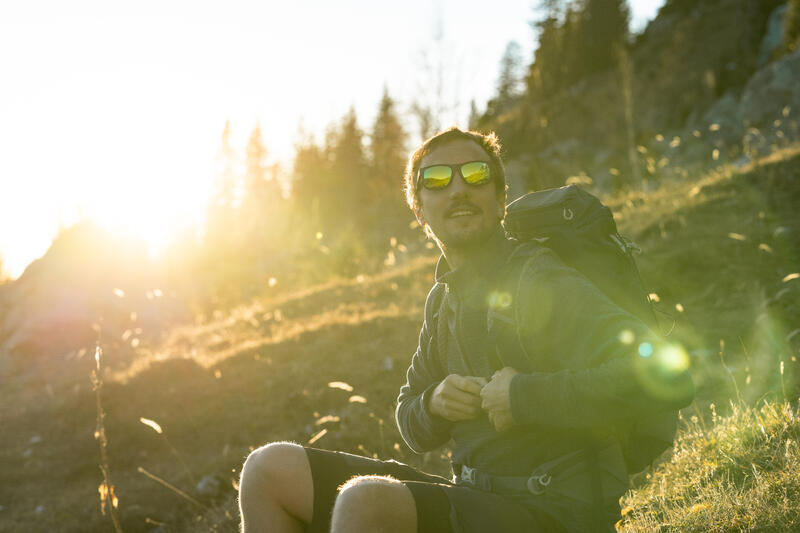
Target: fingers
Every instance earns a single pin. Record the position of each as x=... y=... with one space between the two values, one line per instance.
x=503 y=372
x=486 y=405
x=460 y=396
x=457 y=411
x=488 y=394
x=469 y=384
x=490 y=405
x=481 y=381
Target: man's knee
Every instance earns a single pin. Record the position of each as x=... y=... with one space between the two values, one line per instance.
x=274 y=465
x=374 y=499
x=276 y=487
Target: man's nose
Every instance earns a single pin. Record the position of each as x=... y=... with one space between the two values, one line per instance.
x=458 y=187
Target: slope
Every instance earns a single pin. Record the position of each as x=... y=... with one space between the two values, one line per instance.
x=324 y=365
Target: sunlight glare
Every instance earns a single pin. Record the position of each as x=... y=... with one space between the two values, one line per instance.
x=673 y=358
x=626 y=336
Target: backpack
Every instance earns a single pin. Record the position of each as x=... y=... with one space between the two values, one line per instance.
x=582 y=232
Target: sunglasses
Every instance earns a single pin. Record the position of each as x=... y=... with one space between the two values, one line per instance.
x=439 y=176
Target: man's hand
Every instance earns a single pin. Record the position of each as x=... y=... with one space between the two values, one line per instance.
x=496 y=396
x=457 y=397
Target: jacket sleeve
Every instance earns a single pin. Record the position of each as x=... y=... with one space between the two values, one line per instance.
x=420 y=429
x=604 y=364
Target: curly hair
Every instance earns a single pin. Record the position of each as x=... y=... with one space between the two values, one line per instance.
x=490 y=144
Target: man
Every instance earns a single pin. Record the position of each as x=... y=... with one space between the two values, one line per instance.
x=534 y=448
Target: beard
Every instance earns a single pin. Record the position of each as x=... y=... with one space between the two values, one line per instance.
x=452 y=237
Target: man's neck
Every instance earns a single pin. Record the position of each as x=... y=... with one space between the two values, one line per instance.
x=460 y=255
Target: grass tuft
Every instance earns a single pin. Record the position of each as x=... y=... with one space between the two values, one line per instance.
x=740 y=474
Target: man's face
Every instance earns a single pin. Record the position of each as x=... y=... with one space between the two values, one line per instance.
x=460 y=215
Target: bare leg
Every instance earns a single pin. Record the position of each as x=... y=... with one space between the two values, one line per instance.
x=276 y=491
x=376 y=504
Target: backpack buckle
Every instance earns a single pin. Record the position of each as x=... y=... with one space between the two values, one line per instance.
x=468 y=474
x=538 y=484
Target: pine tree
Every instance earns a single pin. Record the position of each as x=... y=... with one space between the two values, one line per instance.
x=508 y=83
x=544 y=73
x=223 y=198
x=262 y=203
x=309 y=173
x=604 y=28
x=571 y=66
x=226 y=273
x=261 y=187
x=388 y=151
x=386 y=211
x=343 y=189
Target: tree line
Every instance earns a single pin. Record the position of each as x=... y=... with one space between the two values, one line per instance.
x=342 y=209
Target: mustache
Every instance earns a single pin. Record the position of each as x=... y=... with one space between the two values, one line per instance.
x=462 y=205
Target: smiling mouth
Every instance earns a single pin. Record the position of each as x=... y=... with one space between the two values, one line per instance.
x=462 y=212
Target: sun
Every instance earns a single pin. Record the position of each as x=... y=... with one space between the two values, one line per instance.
x=156 y=216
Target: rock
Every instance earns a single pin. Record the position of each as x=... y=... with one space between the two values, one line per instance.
x=774 y=35
x=742 y=161
x=769 y=91
x=87 y=277
x=209 y=486
x=722 y=122
x=755 y=144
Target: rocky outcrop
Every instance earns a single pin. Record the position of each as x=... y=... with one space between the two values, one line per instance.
x=774 y=36
x=770 y=90
x=89 y=285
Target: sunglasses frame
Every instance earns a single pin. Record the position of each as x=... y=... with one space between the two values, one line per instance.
x=421 y=181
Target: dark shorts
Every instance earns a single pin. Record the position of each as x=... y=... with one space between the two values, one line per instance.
x=441 y=505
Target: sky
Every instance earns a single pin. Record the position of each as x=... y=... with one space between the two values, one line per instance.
x=113 y=111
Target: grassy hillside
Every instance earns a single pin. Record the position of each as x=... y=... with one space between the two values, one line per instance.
x=734 y=473
x=325 y=364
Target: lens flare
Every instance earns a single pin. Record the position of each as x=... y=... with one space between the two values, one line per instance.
x=673 y=358
x=626 y=336
x=499 y=300
x=661 y=369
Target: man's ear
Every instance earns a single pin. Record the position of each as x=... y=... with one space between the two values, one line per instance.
x=501 y=209
x=424 y=225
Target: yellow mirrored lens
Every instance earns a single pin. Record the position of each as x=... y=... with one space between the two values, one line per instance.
x=437 y=177
x=476 y=172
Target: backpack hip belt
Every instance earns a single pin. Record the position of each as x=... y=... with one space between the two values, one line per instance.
x=535 y=484
x=591 y=475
